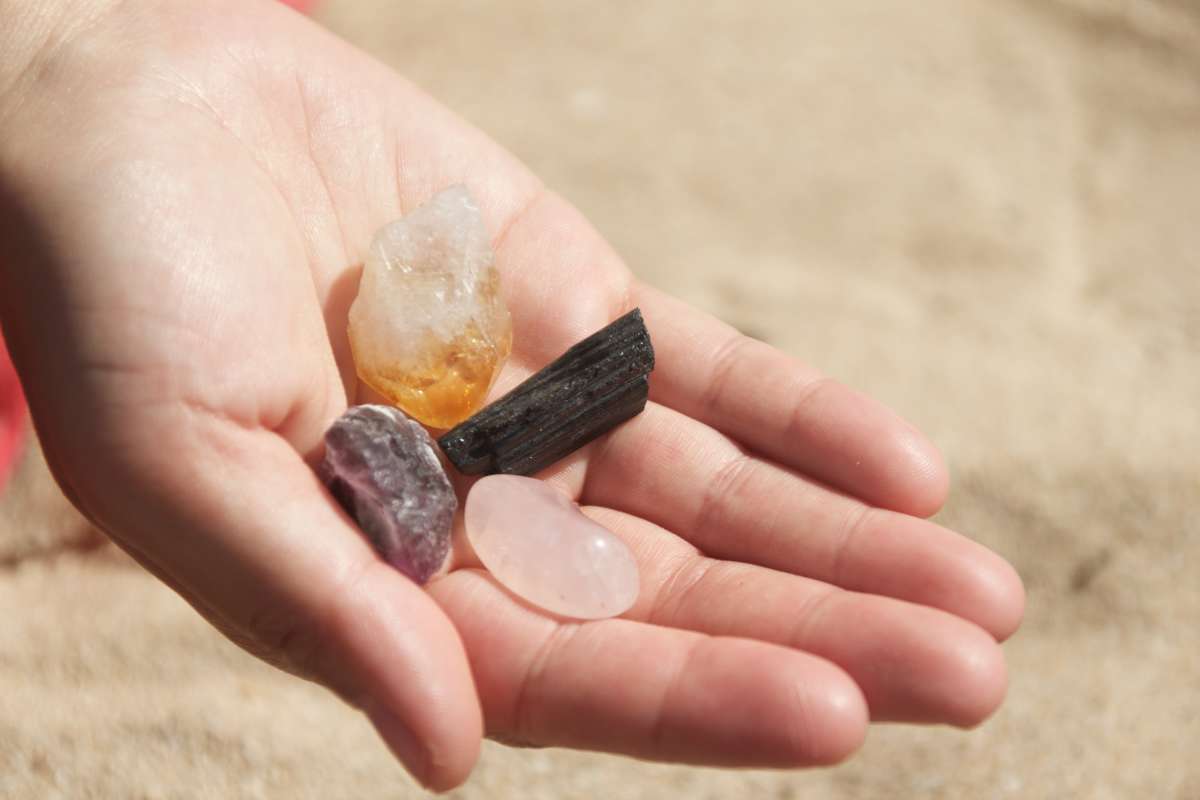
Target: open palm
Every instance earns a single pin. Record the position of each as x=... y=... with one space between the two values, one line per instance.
x=181 y=253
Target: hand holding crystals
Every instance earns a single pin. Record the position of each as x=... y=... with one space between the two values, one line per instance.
x=175 y=296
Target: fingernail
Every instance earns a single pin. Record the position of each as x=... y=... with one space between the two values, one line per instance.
x=400 y=740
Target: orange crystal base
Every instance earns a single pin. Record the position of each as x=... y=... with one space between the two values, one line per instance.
x=450 y=383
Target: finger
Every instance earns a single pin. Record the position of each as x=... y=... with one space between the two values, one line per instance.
x=912 y=663
x=694 y=481
x=646 y=691
x=235 y=520
x=788 y=411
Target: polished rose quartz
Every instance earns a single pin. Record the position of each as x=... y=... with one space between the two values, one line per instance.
x=538 y=544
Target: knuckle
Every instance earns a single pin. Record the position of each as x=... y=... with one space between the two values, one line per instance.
x=857 y=519
x=723 y=361
x=526 y=725
x=728 y=482
x=297 y=639
x=284 y=640
x=802 y=411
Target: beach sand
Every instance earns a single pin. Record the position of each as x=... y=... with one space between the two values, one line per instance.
x=987 y=214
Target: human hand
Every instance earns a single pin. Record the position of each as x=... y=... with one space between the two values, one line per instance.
x=186 y=193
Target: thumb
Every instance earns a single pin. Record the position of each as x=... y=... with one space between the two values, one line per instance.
x=233 y=519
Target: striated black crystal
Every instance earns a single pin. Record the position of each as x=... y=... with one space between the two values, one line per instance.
x=588 y=390
x=383 y=469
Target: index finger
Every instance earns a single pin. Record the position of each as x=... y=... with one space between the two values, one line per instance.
x=787 y=410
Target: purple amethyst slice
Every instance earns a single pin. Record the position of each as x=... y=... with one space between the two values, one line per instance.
x=383 y=469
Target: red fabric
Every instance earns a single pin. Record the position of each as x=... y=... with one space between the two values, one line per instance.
x=12 y=415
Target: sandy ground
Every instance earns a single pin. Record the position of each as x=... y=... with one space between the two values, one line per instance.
x=985 y=213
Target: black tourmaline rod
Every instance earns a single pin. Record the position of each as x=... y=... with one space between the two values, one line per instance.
x=588 y=390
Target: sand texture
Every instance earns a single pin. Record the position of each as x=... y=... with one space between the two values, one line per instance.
x=985 y=213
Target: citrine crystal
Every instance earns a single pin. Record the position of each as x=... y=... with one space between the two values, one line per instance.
x=429 y=329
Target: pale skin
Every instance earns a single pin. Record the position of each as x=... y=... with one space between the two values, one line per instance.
x=186 y=191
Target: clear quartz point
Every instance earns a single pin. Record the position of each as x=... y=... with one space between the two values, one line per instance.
x=429 y=329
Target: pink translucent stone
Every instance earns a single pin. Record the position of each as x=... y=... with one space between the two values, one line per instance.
x=538 y=544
